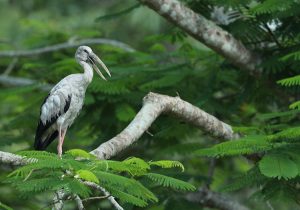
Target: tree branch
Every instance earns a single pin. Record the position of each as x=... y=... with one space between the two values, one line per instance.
x=214 y=200
x=109 y=197
x=79 y=203
x=154 y=105
x=12 y=159
x=19 y=81
x=206 y=32
x=65 y=45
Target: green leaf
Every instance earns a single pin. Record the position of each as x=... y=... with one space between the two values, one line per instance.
x=126 y=197
x=87 y=175
x=291 y=81
x=141 y=167
x=125 y=113
x=246 y=145
x=295 y=105
x=80 y=153
x=278 y=166
x=117 y=14
x=171 y=182
x=5 y=207
x=167 y=164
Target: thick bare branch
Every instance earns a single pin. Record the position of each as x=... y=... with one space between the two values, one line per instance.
x=153 y=106
x=212 y=199
x=12 y=159
x=206 y=32
x=65 y=45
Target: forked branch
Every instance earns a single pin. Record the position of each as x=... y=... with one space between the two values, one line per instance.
x=153 y=106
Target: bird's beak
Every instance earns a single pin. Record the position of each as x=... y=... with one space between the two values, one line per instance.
x=94 y=59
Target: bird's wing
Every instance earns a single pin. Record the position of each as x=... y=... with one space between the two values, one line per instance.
x=55 y=104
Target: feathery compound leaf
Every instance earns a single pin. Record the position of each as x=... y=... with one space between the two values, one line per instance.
x=291 y=81
x=41 y=164
x=271 y=6
x=80 y=153
x=295 y=105
x=5 y=207
x=87 y=176
x=38 y=154
x=171 y=182
x=278 y=166
x=268 y=116
x=76 y=187
x=118 y=14
x=125 y=184
x=250 y=178
x=287 y=135
x=138 y=166
x=127 y=198
x=125 y=113
x=247 y=145
x=167 y=164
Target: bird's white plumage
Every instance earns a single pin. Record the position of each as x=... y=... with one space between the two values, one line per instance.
x=65 y=100
x=71 y=87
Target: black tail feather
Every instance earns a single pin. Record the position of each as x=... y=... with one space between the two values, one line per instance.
x=39 y=144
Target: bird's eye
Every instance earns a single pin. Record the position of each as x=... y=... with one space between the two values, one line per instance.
x=85 y=51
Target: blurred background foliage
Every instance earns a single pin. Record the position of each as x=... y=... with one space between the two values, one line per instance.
x=166 y=61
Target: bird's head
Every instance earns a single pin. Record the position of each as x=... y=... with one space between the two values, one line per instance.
x=85 y=54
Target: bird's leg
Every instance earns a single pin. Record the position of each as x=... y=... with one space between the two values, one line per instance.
x=63 y=135
x=59 y=146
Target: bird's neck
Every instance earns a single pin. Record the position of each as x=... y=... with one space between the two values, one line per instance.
x=88 y=72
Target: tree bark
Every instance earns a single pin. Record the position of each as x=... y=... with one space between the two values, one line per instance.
x=154 y=105
x=206 y=32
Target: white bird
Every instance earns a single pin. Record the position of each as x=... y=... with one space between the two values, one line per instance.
x=65 y=100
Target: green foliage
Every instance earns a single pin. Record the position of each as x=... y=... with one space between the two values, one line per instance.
x=290 y=81
x=77 y=166
x=278 y=166
x=272 y=6
x=117 y=14
x=295 y=105
x=125 y=113
x=243 y=146
x=5 y=207
x=167 y=164
x=87 y=176
x=170 y=182
x=166 y=61
x=80 y=153
x=251 y=178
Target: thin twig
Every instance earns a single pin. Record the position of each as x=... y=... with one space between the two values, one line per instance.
x=96 y=198
x=27 y=177
x=11 y=66
x=20 y=81
x=106 y=193
x=272 y=35
x=210 y=174
x=66 y=45
x=270 y=205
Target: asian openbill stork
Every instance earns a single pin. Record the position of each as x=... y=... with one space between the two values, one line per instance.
x=65 y=100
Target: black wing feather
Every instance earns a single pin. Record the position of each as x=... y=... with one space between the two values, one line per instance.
x=39 y=144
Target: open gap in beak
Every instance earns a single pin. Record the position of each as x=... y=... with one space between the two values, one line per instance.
x=95 y=59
